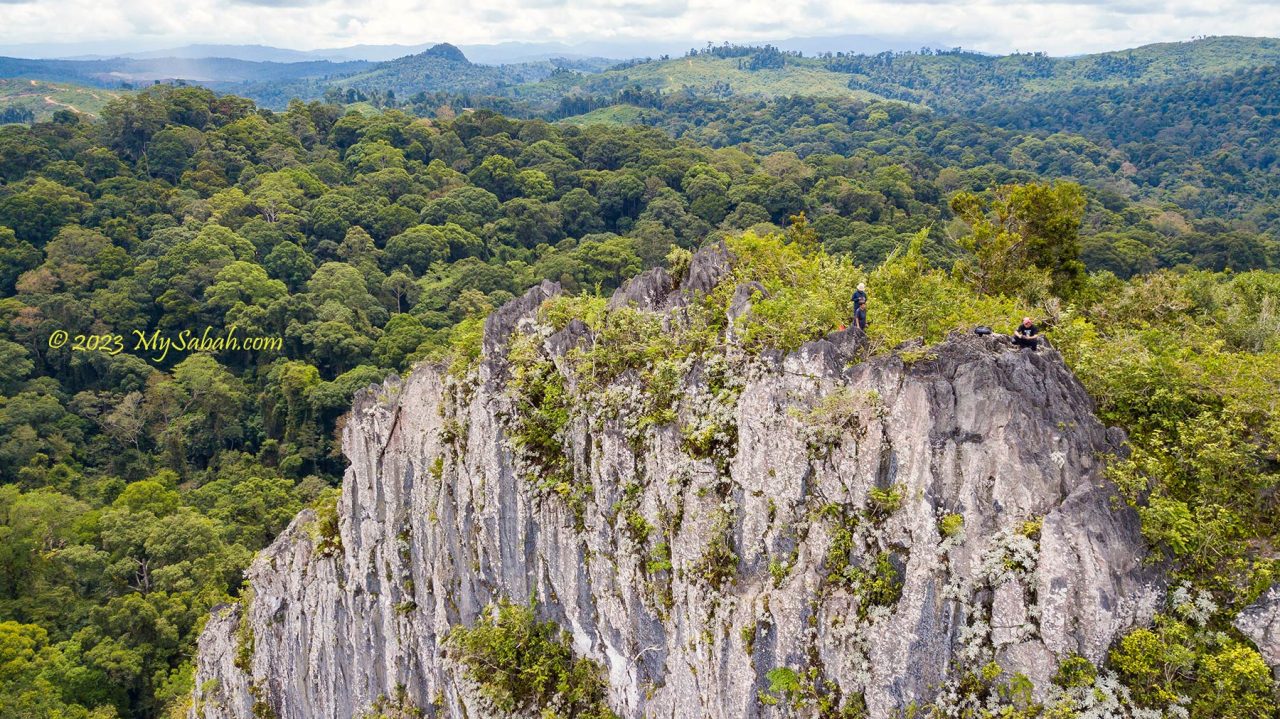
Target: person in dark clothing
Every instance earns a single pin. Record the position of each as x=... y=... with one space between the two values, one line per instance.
x=859 y=307
x=859 y=295
x=1027 y=335
x=860 y=316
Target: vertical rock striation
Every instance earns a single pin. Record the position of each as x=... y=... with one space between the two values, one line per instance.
x=871 y=525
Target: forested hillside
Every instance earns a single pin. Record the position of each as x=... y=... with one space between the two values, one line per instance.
x=412 y=81
x=953 y=81
x=1212 y=165
x=1211 y=143
x=958 y=80
x=1190 y=125
x=135 y=486
x=25 y=101
x=759 y=72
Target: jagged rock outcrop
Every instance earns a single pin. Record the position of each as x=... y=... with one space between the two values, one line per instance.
x=879 y=521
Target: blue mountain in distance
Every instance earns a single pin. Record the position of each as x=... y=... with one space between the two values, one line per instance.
x=565 y=86
x=485 y=54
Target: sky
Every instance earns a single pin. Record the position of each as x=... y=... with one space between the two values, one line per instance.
x=1063 y=27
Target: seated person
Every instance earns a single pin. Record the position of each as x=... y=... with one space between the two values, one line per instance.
x=1026 y=335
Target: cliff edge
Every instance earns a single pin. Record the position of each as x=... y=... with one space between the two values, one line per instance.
x=875 y=525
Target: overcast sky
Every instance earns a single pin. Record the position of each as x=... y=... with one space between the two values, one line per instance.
x=1060 y=28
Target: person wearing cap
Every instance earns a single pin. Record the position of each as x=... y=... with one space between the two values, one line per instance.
x=860 y=307
x=1027 y=335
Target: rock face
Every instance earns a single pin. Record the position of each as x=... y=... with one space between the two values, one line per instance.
x=1260 y=622
x=889 y=524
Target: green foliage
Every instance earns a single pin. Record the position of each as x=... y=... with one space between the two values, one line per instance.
x=1181 y=660
x=1031 y=528
x=328 y=538
x=134 y=489
x=808 y=690
x=525 y=665
x=951 y=525
x=38 y=680
x=718 y=564
x=244 y=639
x=23 y=94
x=836 y=415
x=1191 y=391
x=877 y=584
x=628 y=339
x=911 y=299
x=806 y=293
x=659 y=559
x=398 y=706
x=989 y=691
x=783 y=681
x=542 y=414
x=636 y=525
x=884 y=502
x=1075 y=672
x=560 y=310
x=748 y=635
x=1026 y=234
x=465 y=341
x=778 y=570
x=1235 y=683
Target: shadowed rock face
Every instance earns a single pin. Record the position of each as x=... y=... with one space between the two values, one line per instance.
x=437 y=519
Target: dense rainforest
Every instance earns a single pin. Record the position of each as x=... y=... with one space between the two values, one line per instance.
x=136 y=485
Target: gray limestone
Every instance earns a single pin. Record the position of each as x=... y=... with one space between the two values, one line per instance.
x=437 y=520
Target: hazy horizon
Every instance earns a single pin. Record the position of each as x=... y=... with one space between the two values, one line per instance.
x=1067 y=27
x=498 y=52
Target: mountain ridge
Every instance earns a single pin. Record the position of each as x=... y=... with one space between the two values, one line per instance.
x=947 y=78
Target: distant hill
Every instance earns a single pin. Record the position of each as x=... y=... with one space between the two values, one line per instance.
x=439 y=68
x=956 y=82
x=487 y=54
x=117 y=72
x=1225 y=126
x=960 y=80
x=250 y=53
x=708 y=74
x=33 y=100
x=1197 y=121
x=949 y=81
x=445 y=51
x=443 y=68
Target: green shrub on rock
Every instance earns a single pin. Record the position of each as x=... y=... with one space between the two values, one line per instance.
x=522 y=664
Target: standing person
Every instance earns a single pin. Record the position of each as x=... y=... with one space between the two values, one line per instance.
x=859 y=309
x=860 y=295
x=1027 y=335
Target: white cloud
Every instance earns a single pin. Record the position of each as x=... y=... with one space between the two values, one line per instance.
x=1058 y=27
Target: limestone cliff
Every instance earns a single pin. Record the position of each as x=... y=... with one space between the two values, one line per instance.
x=874 y=523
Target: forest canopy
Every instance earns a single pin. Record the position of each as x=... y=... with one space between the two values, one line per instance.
x=135 y=490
